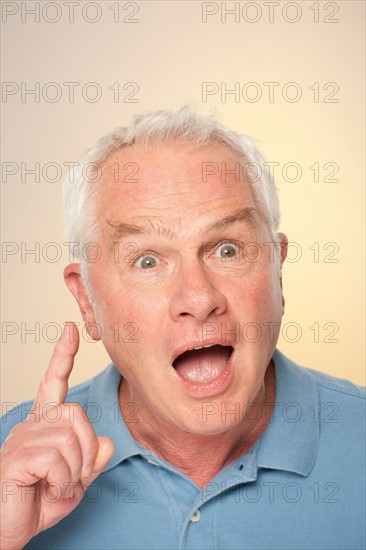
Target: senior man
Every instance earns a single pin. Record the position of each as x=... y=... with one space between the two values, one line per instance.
x=200 y=434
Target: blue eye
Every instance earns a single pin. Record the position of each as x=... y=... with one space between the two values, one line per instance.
x=228 y=250
x=147 y=262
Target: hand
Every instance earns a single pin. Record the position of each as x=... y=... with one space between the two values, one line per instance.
x=47 y=466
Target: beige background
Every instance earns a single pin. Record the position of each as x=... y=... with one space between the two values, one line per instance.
x=169 y=52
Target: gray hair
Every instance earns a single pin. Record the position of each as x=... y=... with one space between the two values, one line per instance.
x=183 y=125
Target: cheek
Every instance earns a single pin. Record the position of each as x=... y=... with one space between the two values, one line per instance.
x=258 y=298
x=255 y=290
x=129 y=322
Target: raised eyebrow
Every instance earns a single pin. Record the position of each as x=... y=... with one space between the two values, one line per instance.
x=242 y=214
x=122 y=229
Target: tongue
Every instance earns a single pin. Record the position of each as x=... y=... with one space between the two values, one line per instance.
x=204 y=365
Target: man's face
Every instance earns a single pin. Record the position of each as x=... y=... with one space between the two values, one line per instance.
x=177 y=272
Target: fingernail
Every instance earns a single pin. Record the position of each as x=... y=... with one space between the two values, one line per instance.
x=63 y=333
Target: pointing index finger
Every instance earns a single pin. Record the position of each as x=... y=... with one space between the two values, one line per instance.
x=54 y=384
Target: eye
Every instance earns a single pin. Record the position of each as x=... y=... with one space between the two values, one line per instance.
x=228 y=250
x=146 y=262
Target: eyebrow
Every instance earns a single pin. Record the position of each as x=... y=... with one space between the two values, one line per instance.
x=240 y=215
x=122 y=230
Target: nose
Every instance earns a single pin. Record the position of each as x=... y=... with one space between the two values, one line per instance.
x=195 y=295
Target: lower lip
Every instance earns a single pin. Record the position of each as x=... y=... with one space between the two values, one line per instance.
x=214 y=388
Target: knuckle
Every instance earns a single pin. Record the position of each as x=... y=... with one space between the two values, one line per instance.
x=52 y=455
x=66 y=437
x=60 y=378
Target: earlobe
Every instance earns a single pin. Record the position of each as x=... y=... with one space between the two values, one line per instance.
x=75 y=284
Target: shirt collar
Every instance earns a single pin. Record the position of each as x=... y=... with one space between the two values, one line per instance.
x=290 y=441
x=108 y=420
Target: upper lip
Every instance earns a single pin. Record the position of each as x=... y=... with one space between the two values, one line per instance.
x=200 y=344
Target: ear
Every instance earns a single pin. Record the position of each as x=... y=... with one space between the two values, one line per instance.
x=283 y=245
x=74 y=283
x=283 y=241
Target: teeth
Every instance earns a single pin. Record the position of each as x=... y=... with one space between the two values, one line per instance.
x=208 y=346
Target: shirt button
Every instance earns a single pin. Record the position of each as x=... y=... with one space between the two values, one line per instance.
x=196 y=516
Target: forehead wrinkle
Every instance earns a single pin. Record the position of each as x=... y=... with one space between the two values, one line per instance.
x=248 y=214
x=122 y=229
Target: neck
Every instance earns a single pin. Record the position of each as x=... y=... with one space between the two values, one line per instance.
x=201 y=457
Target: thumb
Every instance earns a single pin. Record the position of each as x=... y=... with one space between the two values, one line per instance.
x=105 y=453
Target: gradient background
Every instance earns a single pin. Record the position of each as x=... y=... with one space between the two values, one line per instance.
x=169 y=52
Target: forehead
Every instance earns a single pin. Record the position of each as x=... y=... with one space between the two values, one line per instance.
x=169 y=179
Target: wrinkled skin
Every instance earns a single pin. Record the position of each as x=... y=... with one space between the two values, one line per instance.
x=181 y=291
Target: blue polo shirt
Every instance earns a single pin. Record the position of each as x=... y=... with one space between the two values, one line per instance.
x=301 y=486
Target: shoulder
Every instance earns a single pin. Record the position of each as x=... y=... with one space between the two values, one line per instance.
x=326 y=384
x=333 y=385
x=332 y=400
x=341 y=409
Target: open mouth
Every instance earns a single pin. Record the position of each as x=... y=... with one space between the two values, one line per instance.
x=203 y=365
